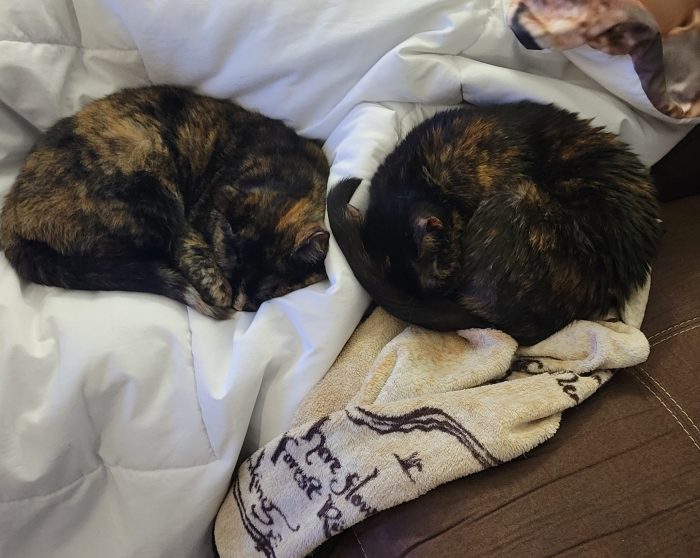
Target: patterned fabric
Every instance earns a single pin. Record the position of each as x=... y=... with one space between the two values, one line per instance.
x=668 y=64
x=404 y=410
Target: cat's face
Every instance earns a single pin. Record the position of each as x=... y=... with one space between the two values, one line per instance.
x=413 y=250
x=432 y=264
x=271 y=245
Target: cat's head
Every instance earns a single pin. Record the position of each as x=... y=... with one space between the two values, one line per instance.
x=432 y=311
x=269 y=243
x=413 y=245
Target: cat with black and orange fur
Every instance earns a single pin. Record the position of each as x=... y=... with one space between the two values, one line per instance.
x=161 y=190
x=521 y=217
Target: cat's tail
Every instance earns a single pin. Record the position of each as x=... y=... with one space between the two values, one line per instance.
x=440 y=314
x=39 y=263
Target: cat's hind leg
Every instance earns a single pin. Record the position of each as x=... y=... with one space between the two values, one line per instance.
x=38 y=262
x=194 y=259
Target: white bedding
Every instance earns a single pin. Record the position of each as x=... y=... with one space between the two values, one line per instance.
x=122 y=415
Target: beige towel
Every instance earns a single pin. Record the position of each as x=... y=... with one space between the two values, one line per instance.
x=404 y=410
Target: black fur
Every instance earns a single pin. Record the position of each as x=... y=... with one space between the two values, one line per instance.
x=522 y=217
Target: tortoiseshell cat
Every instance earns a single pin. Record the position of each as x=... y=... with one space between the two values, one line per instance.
x=160 y=190
x=521 y=217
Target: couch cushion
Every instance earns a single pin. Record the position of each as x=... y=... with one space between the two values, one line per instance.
x=622 y=476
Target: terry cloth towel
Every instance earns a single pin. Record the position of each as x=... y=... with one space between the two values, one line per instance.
x=404 y=410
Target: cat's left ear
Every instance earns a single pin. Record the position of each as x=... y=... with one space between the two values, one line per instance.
x=312 y=245
x=425 y=232
x=355 y=214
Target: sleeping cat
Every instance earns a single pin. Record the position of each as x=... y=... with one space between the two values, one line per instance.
x=160 y=190
x=520 y=217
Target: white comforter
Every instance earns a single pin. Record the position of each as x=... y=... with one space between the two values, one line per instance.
x=122 y=415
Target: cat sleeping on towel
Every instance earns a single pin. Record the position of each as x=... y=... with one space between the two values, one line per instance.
x=160 y=190
x=521 y=217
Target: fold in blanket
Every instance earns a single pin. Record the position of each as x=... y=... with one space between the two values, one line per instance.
x=404 y=410
x=667 y=63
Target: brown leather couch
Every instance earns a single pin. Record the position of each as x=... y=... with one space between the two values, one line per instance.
x=622 y=475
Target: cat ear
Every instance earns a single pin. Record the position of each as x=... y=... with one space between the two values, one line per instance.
x=312 y=246
x=425 y=231
x=355 y=214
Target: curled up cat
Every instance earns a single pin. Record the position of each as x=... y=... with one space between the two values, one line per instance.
x=521 y=217
x=161 y=190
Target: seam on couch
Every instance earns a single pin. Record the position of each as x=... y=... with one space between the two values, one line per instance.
x=674 y=326
x=600 y=536
x=680 y=408
x=686 y=330
x=520 y=496
x=655 y=394
x=359 y=542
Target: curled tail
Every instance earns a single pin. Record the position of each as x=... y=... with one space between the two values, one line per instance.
x=39 y=263
x=440 y=314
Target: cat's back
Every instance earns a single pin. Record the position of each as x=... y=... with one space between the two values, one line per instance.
x=97 y=161
x=164 y=131
x=458 y=155
x=125 y=132
x=153 y=128
x=510 y=136
x=489 y=148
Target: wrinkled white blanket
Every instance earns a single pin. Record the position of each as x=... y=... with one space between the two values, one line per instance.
x=123 y=414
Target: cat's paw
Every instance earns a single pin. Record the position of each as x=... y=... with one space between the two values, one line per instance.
x=194 y=299
x=221 y=293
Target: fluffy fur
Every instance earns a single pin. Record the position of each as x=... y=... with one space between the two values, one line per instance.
x=521 y=217
x=161 y=190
